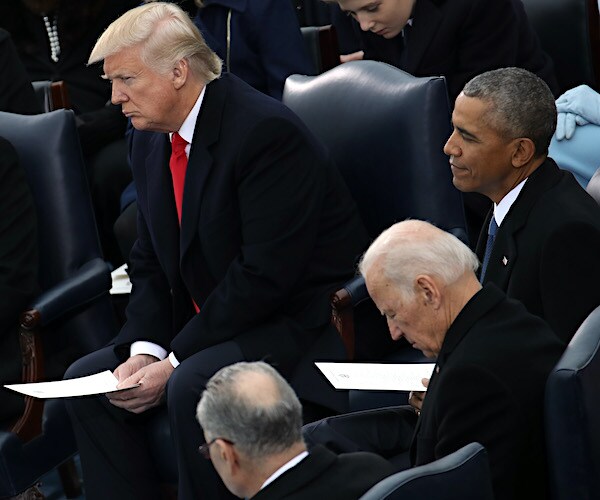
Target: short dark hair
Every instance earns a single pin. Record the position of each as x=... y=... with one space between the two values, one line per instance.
x=521 y=105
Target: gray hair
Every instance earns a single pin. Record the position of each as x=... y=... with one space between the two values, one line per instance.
x=166 y=34
x=412 y=248
x=522 y=105
x=258 y=428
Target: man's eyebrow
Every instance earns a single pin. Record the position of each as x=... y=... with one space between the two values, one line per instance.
x=466 y=133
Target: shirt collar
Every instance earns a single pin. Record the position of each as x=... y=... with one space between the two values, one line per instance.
x=285 y=467
x=186 y=131
x=502 y=208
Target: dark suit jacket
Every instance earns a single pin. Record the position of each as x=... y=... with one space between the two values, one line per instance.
x=323 y=474
x=266 y=45
x=268 y=232
x=461 y=39
x=550 y=241
x=18 y=269
x=488 y=386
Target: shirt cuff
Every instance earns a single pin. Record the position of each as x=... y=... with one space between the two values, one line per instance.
x=145 y=347
x=173 y=360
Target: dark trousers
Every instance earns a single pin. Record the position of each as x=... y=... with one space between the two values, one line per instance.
x=114 y=445
x=385 y=431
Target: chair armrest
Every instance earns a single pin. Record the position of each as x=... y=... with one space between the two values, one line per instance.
x=89 y=282
x=342 y=310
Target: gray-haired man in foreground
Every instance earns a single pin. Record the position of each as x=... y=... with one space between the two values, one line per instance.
x=252 y=424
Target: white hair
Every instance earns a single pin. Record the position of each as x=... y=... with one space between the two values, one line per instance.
x=412 y=248
x=165 y=35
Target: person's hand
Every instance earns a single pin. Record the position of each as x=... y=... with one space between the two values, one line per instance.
x=355 y=56
x=577 y=106
x=566 y=123
x=416 y=398
x=132 y=365
x=152 y=377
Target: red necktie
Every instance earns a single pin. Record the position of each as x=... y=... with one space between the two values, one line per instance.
x=178 y=166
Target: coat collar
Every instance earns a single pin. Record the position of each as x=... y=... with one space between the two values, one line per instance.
x=314 y=465
x=478 y=306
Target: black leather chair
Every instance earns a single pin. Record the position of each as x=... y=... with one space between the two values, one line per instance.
x=572 y=416
x=569 y=32
x=73 y=314
x=385 y=129
x=462 y=475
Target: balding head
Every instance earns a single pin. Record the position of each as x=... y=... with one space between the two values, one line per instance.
x=253 y=406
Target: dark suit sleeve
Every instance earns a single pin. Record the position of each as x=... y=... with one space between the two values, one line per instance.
x=473 y=405
x=281 y=46
x=281 y=194
x=149 y=311
x=569 y=276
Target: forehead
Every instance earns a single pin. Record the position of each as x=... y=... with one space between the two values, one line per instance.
x=474 y=116
x=127 y=60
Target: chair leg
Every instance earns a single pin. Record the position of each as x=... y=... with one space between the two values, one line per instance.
x=69 y=479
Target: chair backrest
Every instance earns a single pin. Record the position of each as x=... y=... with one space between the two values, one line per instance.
x=322 y=45
x=572 y=416
x=385 y=130
x=48 y=148
x=569 y=33
x=462 y=475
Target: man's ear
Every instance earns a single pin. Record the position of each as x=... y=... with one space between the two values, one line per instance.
x=228 y=455
x=428 y=291
x=180 y=73
x=523 y=152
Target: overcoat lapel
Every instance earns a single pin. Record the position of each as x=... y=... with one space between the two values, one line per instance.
x=200 y=163
x=161 y=204
x=504 y=253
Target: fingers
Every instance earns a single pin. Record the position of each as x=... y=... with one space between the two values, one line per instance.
x=560 y=126
x=569 y=125
x=355 y=56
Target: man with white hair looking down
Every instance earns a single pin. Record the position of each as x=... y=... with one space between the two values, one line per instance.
x=493 y=358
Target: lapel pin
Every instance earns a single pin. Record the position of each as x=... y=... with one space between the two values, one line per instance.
x=504 y=260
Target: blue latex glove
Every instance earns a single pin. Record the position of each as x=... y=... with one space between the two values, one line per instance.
x=582 y=101
x=577 y=106
x=566 y=124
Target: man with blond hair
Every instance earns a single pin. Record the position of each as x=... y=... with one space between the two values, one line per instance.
x=252 y=422
x=492 y=361
x=244 y=229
